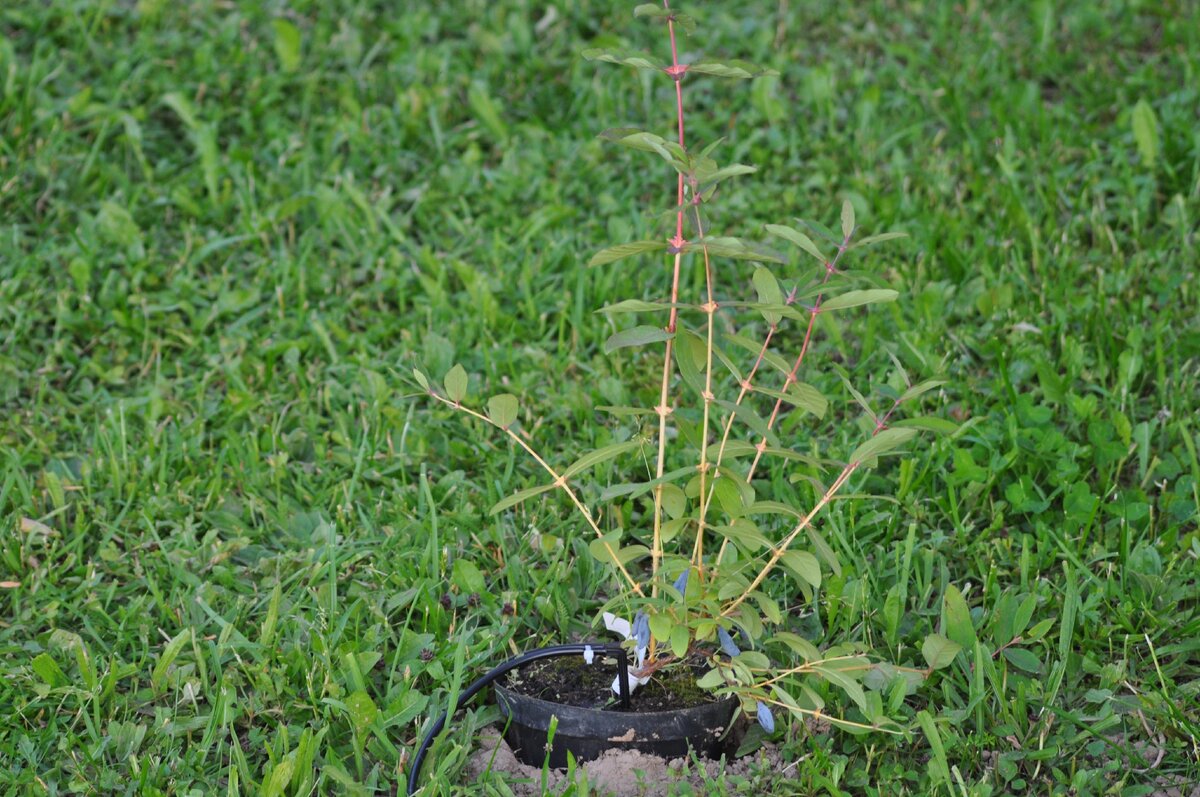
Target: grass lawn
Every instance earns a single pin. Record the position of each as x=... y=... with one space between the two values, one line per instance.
x=241 y=553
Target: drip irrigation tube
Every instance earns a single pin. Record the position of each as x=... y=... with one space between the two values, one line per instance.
x=616 y=651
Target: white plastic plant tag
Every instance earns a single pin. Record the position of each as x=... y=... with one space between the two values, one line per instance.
x=623 y=627
x=634 y=682
x=588 y=654
x=617 y=625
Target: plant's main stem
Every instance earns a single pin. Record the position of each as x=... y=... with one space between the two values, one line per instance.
x=664 y=407
x=710 y=309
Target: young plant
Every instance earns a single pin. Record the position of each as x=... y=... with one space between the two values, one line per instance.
x=712 y=556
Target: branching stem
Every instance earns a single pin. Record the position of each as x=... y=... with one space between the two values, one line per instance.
x=559 y=480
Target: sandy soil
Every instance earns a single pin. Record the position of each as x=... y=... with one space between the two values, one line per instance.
x=616 y=773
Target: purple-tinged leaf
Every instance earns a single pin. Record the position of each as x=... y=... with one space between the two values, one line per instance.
x=727 y=644
x=765 y=718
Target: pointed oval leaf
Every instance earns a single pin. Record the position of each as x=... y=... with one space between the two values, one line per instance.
x=1023 y=659
x=876 y=239
x=732 y=248
x=518 y=497
x=882 y=443
x=620 y=251
x=600 y=455
x=626 y=57
x=796 y=237
x=804 y=565
x=939 y=651
x=928 y=423
x=858 y=298
x=502 y=409
x=768 y=293
x=637 y=336
x=455 y=382
x=634 y=306
x=847 y=218
x=957 y=618
x=921 y=389
x=737 y=69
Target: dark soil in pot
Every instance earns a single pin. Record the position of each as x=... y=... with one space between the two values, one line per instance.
x=572 y=682
x=667 y=716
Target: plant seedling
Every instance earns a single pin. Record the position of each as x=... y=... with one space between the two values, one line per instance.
x=705 y=570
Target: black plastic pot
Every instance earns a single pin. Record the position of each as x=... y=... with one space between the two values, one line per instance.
x=587 y=732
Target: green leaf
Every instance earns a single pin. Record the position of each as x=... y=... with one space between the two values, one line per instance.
x=920 y=389
x=646 y=141
x=679 y=641
x=747 y=416
x=287 y=44
x=48 y=670
x=882 y=443
x=801 y=395
x=159 y=676
x=502 y=409
x=741 y=70
x=601 y=546
x=939 y=651
x=634 y=306
x=769 y=292
x=847 y=218
x=804 y=565
x=742 y=448
x=673 y=500
x=928 y=423
x=363 y=710
x=1145 y=132
x=615 y=253
x=604 y=548
x=957 y=616
x=732 y=248
x=691 y=356
x=455 y=382
x=938 y=765
x=637 y=336
x=656 y=11
x=486 y=110
x=518 y=497
x=725 y=172
x=600 y=455
x=621 y=412
x=845 y=682
x=422 y=380
x=773 y=508
x=744 y=534
x=467 y=577
x=641 y=488
x=1023 y=659
x=876 y=239
x=799 y=645
x=661 y=625
x=857 y=298
x=711 y=679
x=626 y=57
x=824 y=550
x=796 y=237
x=281 y=776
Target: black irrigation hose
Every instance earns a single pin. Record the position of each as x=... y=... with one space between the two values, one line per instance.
x=617 y=651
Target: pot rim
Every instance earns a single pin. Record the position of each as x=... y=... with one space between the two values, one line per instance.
x=718 y=701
